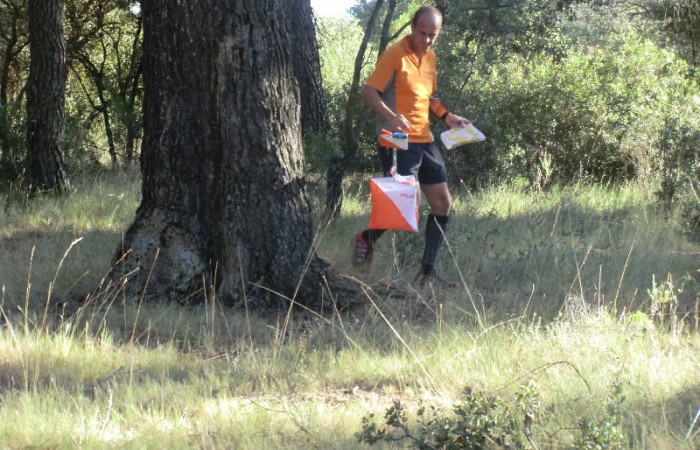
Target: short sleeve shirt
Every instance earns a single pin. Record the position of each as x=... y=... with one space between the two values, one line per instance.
x=406 y=86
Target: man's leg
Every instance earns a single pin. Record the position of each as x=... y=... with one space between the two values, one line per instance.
x=363 y=248
x=440 y=201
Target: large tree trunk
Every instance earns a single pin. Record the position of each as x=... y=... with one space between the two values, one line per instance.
x=223 y=197
x=307 y=66
x=46 y=92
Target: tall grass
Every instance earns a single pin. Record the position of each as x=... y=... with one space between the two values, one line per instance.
x=557 y=291
x=518 y=249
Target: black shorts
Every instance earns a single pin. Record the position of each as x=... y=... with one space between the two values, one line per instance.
x=423 y=160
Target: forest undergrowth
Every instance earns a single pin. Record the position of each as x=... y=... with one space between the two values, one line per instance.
x=575 y=326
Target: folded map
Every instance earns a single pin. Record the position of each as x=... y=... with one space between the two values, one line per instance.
x=454 y=137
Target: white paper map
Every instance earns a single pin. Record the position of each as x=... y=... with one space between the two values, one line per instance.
x=454 y=137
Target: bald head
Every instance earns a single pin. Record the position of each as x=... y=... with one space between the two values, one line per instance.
x=431 y=13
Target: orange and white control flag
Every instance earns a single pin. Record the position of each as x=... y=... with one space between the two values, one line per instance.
x=394 y=203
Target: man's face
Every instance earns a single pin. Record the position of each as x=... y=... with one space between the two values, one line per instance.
x=425 y=32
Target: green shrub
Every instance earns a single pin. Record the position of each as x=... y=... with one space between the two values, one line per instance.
x=679 y=190
x=479 y=421
x=604 y=433
x=476 y=422
x=596 y=113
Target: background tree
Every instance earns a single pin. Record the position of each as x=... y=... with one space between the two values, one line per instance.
x=677 y=22
x=339 y=164
x=385 y=37
x=46 y=92
x=104 y=52
x=13 y=38
x=223 y=193
x=686 y=21
x=307 y=66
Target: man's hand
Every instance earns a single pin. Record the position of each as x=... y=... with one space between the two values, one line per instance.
x=455 y=121
x=399 y=123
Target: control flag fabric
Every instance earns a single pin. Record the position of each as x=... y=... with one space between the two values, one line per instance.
x=394 y=203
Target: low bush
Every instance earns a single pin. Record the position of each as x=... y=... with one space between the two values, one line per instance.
x=599 y=113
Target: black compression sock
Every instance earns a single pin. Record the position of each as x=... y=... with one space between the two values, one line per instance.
x=435 y=228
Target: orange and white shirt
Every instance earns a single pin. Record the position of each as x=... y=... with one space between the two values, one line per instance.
x=406 y=86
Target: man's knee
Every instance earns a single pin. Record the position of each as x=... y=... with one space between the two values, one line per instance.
x=443 y=206
x=439 y=199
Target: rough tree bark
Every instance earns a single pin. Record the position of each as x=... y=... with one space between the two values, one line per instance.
x=223 y=196
x=46 y=92
x=307 y=66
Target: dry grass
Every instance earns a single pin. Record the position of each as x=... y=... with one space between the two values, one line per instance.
x=554 y=292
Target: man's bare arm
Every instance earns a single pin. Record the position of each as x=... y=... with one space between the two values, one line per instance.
x=397 y=121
